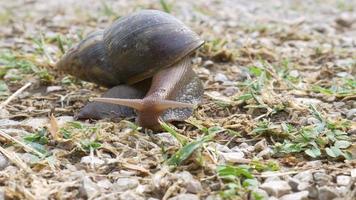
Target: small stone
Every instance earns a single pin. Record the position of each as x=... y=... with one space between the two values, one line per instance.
x=3 y=162
x=266 y=153
x=12 y=74
x=208 y=64
x=8 y=122
x=351 y=114
x=54 y=88
x=261 y=145
x=312 y=120
x=343 y=180
x=219 y=77
x=261 y=194
x=294 y=73
x=123 y=184
x=92 y=160
x=272 y=178
x=192 y=185
x=88 y=188
x=105 y=184
x=296 y=196
x=293 y=183
x=313 y=164
x=213 y=197
x=306 y=176
x=276 y=188
x=233 y=156
x=342 y=74
x=130 y=195
x=197 y=60
x=348 y=62
x=36 y=123
x=185 y=197
x=338 y=104
x=303 y=186
x=2 y=193
x=345 y=20
x=353 y=173
x=321 y=178
x=167 y=139
x=327 y=193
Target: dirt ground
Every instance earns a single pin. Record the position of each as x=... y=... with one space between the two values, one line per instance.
x=277 y=120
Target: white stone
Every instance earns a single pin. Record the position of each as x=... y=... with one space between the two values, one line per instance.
x=185 y=197
x=123 y=184
x=327 y=193
x=296 y=196
x=343 y=180
x=92 y=160
x=233 y=156
x=276 y=188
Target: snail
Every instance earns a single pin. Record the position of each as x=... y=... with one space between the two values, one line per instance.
x=145 y=58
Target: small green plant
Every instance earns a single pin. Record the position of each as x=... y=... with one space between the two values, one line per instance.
x=90 y=144
x=38 y=140
x=238 y=181
x=325 y=138
x=190 y=147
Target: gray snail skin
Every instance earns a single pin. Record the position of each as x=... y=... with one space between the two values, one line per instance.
x=145 y=59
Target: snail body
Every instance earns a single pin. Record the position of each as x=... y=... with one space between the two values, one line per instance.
x=145 y=58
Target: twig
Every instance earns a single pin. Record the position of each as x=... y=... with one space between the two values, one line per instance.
x=19 y=91
x=25 y=146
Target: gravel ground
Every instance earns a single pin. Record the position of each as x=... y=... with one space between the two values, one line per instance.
x=278 y=118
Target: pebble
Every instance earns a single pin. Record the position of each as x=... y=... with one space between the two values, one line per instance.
x=2 y=193
x=185 y=197
x=313 y=164
x=130 y=195
x=92 y=160
x=343 y=180
x=36 y=123
x=219 y=77
x=321 y=178
x=233 y=156
x=293 y=183
x=88 y=188
x=54 y=88
x=296 y=196
x=345 y=20
x=208 y=64
x=8 y=122
x=353 y=173
x=3 y=162
x=261 y=145
x=327 y=193
x=192 y=185
x=351 y=114
x=266 y=153
x=261 y=193
x=167 y=139
x=276 y=188
x=272 y=178
x=123 y=184
x=105 y=184
x=294 y=73
x=305 y=176
x=213 y=197
x=348 y=62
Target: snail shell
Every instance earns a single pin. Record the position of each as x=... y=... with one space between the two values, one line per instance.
x=130 y=50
